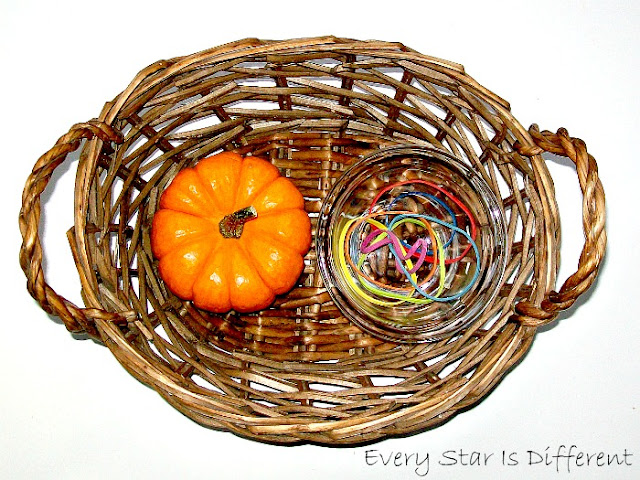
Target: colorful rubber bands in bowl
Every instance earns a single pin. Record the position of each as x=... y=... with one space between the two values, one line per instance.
x=392 y=254
x=411 y=244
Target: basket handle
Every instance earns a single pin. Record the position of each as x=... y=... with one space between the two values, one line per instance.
x=593 y=224
x=76 y=320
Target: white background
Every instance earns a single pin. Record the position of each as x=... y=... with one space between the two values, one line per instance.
x=69 y=410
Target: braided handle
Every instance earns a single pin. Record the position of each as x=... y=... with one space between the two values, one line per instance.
x=76 y=320
x=593 y=224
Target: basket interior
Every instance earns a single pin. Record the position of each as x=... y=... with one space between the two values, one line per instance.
x=300 y=370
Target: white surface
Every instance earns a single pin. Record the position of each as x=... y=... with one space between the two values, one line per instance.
x=68 y=409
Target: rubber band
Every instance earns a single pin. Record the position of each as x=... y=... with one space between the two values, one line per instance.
x=447 y=194
x=476 y=272
x=408 y=296
x=425 y=265
x=368 y=284
x=404 y=257
x=419 y=288
x=368 y=247
x=435 y=199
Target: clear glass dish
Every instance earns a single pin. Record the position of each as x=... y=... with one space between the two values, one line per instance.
x=411 y=244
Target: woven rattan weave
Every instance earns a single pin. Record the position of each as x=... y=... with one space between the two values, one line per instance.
x=300 y=371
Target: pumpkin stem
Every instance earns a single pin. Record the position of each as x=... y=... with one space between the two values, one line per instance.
x=231 y=225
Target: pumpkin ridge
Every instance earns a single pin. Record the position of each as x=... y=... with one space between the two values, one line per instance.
x=255 y=194
x=286 y=184
x=209 y=199
x=277 y=211
x=240 y=250
x=271 y=238
x=213 y=222
x=252 y=261
x=197 y=272
x=274 y=236
x=214 y=249
x=282 y=246
x=250 y=200
x=211 y=194
x=208 y=218
x=203 y=264
x=173 y=228
x=188 y=241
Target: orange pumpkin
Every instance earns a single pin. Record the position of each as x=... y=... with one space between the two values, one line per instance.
x=230 y=234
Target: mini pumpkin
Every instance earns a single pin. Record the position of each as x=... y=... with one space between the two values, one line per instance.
x=230 y=234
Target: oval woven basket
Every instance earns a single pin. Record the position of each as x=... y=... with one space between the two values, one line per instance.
x=300 y=371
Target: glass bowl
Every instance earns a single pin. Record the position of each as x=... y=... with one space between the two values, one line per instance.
x=411 y=244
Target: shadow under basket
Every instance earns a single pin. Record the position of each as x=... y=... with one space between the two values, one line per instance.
x=301 y=371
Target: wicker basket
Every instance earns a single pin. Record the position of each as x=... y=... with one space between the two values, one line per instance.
x=300 y=371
